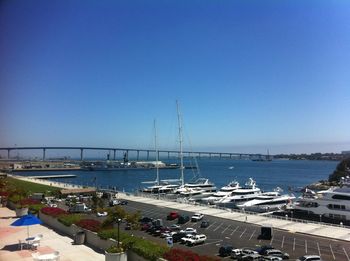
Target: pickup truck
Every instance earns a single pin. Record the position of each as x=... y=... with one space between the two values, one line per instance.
x=197 y=239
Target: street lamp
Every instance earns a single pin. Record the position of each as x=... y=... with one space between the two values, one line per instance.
x=320 y=218
x=118 y=222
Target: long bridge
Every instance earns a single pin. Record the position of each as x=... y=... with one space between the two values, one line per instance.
x=126 y=151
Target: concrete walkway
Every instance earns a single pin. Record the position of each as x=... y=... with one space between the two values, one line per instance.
x=51 y=242
x=311 y=228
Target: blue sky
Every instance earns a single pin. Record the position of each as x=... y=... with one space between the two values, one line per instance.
x=249 y=75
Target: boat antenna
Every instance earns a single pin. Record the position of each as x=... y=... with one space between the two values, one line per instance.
x=156 y=149
x=180 y=140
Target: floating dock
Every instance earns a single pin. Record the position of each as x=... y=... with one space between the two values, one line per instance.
x=53 y=176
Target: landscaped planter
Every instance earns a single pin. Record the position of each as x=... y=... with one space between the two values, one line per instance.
x=21 y=212
x=116 y=256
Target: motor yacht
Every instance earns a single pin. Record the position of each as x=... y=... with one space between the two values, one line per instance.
x=249 y=192
x=224 y=191
x=267 y=201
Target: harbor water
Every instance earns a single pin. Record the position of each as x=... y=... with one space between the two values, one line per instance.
x=287 y=174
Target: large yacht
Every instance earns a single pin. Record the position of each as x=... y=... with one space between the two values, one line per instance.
x=267 y=201
x=224 y=191
x=202 y=184
x=332 y=203
x=249 y=192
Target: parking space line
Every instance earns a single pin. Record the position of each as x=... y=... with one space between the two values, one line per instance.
x=346 y=254
x=330 y=246
x=305 y=246
x=252 y=235
x=318 y=247
x=243 y=233
x=211 y=225
x=282 y=242
x=218 y=227
x=234 y=230
x=225 y=229
x=294 y=244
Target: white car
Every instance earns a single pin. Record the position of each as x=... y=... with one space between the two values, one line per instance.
x=272 y=258
x=102 y=214
x=309 y=258
x=189 y=230
x=197 y=239
x=196 y=217
x=175 y=227
x=167 y=234
x=186 y=238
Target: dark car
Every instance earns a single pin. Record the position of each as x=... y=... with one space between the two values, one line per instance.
x=225 y=250
x=128 y=226
x=123 y=202
x=183 y=219
x=145 y=220
x=204 y=224
x=177 y=237
x=262 y=250
x=145 y=226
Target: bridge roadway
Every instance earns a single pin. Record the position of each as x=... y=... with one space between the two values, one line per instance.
x=127 y=150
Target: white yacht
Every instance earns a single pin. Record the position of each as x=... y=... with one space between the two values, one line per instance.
x=332 y=203
x=202 y=184
x=267 y=201
x=224 y=191
x=249 y=192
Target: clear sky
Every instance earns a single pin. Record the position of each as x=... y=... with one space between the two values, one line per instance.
x=249 y=75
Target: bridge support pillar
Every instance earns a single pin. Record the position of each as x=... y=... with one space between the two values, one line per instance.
x=168 y=154
x=8 y=154
x=220 y=155
x=138 y=155
x=44 y=153
x=209 y=155
x=114 y=152
x=199 y=155
x=81 y=154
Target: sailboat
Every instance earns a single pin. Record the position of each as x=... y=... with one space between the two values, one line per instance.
x=261 y=158
x=159 y=186
x=200 y=187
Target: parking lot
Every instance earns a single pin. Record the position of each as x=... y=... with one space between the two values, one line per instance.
x=240 y=234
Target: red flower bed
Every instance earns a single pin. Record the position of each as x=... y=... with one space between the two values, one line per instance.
x=29 y=201
x=4 y=194
x=176 y=254
x=89 y=224
x=53 y=212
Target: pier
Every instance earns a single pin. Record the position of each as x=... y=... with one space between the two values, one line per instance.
x=53 y=176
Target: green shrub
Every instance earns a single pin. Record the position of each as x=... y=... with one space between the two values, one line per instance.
x=115 y=249
x=34 y=209
x=112 y=233
x=148 y=249
x=70 y=219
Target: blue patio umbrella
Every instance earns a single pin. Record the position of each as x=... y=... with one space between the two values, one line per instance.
x=27 y=220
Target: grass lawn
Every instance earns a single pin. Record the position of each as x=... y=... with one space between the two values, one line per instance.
x=30 y=186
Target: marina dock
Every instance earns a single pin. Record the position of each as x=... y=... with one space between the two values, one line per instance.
x=53 y=176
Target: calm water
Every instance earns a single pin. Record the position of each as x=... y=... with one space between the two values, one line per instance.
x=268 y=175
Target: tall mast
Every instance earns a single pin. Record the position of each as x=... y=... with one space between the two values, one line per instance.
x=156 y=149
x=180 y=140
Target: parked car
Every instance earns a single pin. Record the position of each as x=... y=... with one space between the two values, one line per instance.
x=172 y=215
x=225 y=250
x=174 y=227
x=272 y=258
x=236 y=253
x=123 y=202
x=189 y=230
x=197 y=217
x=144 y=220
x=167 y=234
x=309 y=258
x=197 y=239
x=261 y=250
x=102 y=214
x=276 y=252
x=145 y=227
x=250 y=257
x=128 y=226
x=177 y=237
x=205 y=224
x=248 y=251
x=183 y=219
x=186 y=238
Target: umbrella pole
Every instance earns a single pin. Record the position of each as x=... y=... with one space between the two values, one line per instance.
x=27 y=231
